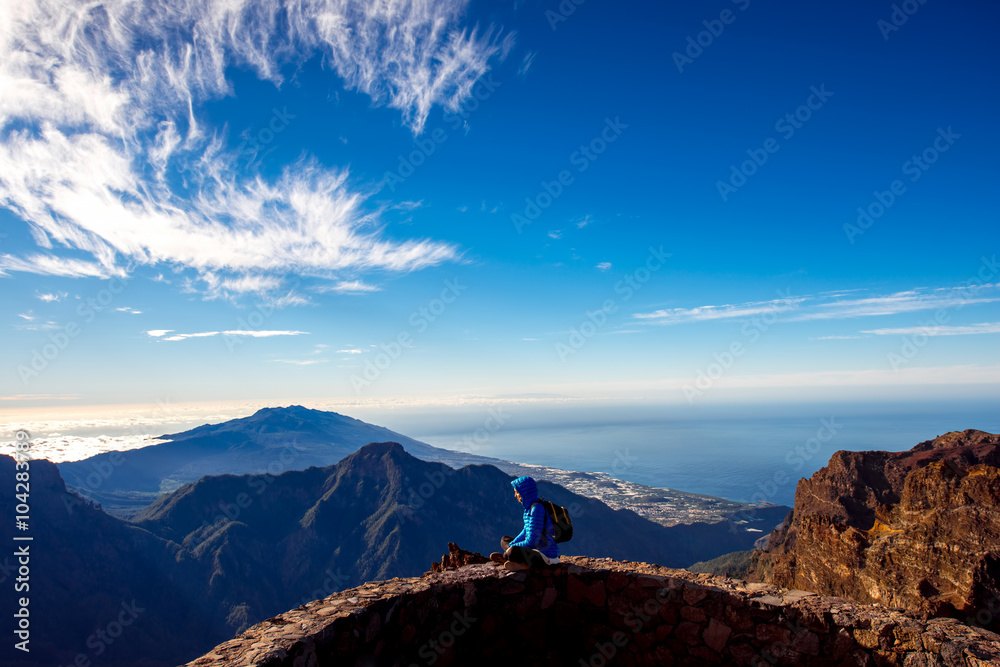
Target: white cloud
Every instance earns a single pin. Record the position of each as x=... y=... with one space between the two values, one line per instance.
x=249 y=333
x=350 y=350
x=604 y=266
x=526 y=62
x=49 y=297
x=555 y=234
x=129 y=310
x=969 y=330
x=727 y=311
x=809 y=308
x=50 y=265
x=26 y=316
x=901 y=302
x=349 y=287
x=112 y=90
x=301 y=362
x=157 y=333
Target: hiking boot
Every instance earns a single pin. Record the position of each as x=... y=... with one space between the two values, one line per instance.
x=498 y=558
x=511 y=566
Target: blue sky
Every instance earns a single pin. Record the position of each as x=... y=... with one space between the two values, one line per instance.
x=682 y=202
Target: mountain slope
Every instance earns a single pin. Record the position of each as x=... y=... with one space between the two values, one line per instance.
x=218 y=555
x=272 y=440
x=382 y=512
x=90 y=571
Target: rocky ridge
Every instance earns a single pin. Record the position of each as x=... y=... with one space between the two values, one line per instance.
x=603 y=611
x=918 y=529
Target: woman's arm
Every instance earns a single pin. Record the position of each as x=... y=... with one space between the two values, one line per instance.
x=532 y=528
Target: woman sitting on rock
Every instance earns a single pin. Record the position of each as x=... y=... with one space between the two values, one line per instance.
x=535 y=545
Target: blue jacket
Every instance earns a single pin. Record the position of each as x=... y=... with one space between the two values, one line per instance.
x=538 y=529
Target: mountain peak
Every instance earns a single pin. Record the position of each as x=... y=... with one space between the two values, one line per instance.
x=381 y=448
x=294 y=410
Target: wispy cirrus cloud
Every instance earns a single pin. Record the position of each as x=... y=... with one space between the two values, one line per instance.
x=300 y=362
x=967 y=330
x=99 y=102
x=249 y=333
x=832 y=306
x=901 y=302
x=721 y=312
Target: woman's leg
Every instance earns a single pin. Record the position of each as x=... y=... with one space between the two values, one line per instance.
x=528 y=557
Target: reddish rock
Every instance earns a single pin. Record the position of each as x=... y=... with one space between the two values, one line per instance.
x=393 y=620
x=806 y=642
x=689 y=633
x=617 y=581
x=706 y=655
x=578 y=590
x=716 y=635
x=456 y=558
x=742 y=654
x=918 y=529
x=664 y=657
x=773 y=634
x=693 y=614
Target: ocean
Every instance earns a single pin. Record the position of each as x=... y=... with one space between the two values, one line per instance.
x=744 y=452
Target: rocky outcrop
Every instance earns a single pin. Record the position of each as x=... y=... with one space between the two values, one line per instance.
x=458 y=557
x=917 y=529
x=595 y=612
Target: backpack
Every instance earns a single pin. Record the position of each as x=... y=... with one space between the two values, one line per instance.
x=562 y=524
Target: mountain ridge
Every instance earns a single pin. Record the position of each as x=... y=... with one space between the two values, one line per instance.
x=271 y=440
x=222 y=553
x=919 y=528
